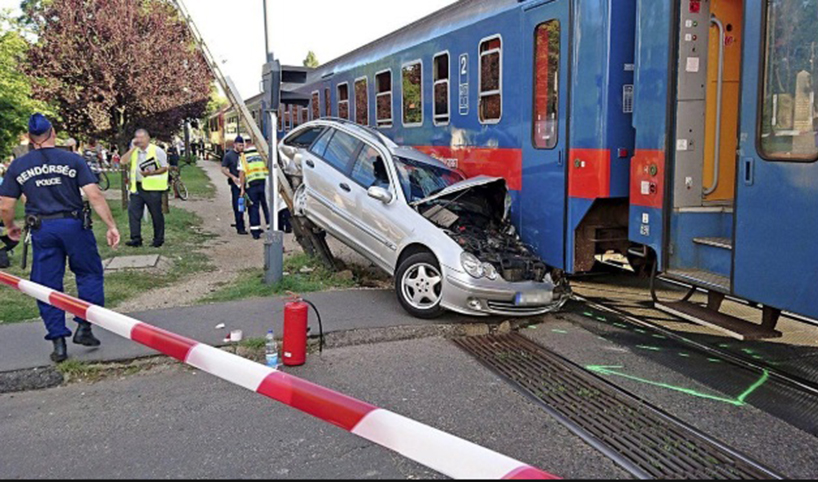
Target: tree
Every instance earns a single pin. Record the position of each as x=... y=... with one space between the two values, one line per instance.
x=312 y=60
x=112 y=66
x=16 y=103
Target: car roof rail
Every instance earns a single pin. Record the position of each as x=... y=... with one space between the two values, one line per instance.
x=387 y=142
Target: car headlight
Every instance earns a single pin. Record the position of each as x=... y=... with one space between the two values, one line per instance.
x=490 y=271
x=472 y=265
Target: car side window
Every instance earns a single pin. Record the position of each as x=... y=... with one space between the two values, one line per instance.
x=306 y=138
x=341 y=151
x=370 y=169
x=320 y=146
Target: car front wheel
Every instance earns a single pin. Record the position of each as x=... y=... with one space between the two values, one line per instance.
x=419 y=285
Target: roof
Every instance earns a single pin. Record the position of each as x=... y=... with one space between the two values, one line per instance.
x=453 y=17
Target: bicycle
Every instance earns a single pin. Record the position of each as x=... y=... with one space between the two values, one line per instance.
x=102 y=178
x=179 y=188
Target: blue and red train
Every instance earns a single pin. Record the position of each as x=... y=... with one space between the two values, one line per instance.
x=681 y=133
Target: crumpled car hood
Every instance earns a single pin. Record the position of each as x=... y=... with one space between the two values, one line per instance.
x=474 y=213
x=466 y=185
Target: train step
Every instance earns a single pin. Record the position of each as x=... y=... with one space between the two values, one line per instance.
x=723 y=243
x=730 y=325
x=700 y=277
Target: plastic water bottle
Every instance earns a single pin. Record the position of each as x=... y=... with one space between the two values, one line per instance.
x=272 y=351
x=241 y=204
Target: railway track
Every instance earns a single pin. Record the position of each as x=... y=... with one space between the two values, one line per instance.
x=794 y=381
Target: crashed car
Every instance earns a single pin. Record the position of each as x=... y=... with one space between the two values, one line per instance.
x=448 y=241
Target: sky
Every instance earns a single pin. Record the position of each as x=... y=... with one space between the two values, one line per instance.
x=234 y=30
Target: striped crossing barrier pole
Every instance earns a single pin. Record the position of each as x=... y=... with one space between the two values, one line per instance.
x=437 y=450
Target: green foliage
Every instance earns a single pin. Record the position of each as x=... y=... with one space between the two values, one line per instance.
x=311 y=61
x=16 y=103
x=183 y=242
x=250 y=282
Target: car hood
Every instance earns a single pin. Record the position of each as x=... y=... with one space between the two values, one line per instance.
x=461 y=187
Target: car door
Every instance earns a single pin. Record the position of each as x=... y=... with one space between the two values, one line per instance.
x=381 y=225
x=330 y=201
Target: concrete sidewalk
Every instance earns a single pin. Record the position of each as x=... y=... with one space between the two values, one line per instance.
x=22 y=345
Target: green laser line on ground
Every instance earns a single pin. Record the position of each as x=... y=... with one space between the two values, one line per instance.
x=738 y=402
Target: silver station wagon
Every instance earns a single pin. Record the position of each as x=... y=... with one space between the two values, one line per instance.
x=447 y=240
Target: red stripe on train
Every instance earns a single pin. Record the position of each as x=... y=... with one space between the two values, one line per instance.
x=74 y=306
x=486 y=161
x=320 y=402
x=589 y=173
x=648 y=178
x=163 y=341
x=10 y=280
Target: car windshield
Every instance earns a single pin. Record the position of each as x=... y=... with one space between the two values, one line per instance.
x=420 y=180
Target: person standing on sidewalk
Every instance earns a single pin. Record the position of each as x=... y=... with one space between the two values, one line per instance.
x=148 y=181
x=253 y=176
x=230 y=168
x=51 y=179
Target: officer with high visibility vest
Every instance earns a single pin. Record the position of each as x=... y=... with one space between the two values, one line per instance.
x=51 y=179
x=253 y=179
x=148 y=167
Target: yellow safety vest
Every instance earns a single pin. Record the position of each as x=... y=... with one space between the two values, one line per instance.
x=254 y=171
x=149 y=183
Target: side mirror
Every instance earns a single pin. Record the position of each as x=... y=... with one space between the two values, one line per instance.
x=380 y=194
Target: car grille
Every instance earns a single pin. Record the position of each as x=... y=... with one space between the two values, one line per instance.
x=510 y=307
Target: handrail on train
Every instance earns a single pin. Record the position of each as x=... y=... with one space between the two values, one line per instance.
x=719 y=92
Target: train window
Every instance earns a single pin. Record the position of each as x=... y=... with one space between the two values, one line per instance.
x=546 y=85
x=316 y=106
x=327 y=103
x=343 y=101
x=296 y=116
x=491 y=80
x=412 y=94
x=361 y=102
x=441 y=88
x=383 y=98
x=788 y=128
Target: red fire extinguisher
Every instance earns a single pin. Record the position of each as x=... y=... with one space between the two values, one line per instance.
x=296 y=329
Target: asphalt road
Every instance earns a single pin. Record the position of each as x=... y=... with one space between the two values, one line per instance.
x=175 y=422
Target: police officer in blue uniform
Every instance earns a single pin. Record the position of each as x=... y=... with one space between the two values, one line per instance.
x=52 y=181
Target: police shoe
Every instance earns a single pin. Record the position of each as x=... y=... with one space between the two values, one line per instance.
x=60 y=353
x=85 y=337
x=134 y=244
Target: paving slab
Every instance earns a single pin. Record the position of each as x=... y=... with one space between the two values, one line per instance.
x=132 y=262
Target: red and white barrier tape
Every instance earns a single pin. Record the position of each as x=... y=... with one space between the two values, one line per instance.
x=440 y=451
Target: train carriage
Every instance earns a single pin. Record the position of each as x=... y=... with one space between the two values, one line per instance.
x=681 y=133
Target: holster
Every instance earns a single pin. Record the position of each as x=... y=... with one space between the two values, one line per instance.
x=87 y=218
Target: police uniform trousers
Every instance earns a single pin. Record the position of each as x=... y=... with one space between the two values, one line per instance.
x=136 y=209
x=256 y=193
x=56 y=240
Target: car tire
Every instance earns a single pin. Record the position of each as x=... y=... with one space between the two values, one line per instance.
x=419 y=286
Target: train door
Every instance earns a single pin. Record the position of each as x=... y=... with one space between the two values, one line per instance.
x=776 y=246
x=704 y=165
x=546 y=47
